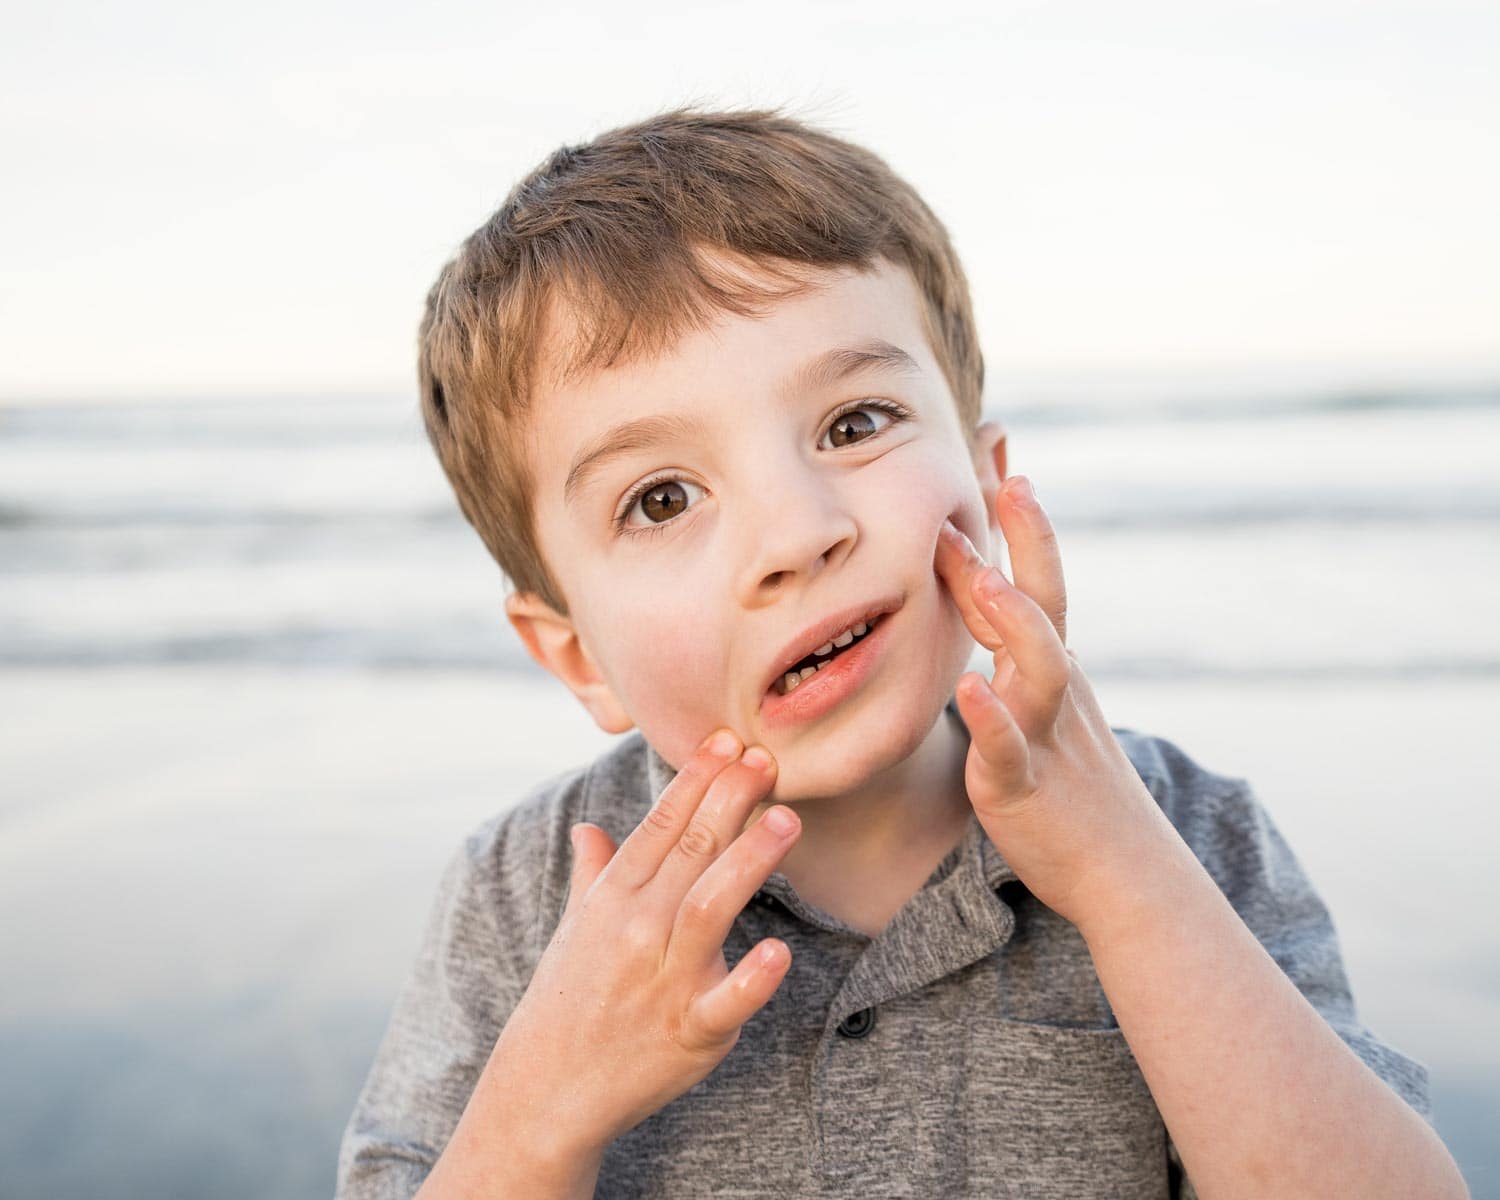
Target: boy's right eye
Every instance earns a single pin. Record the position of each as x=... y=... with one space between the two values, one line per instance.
x=660 y=500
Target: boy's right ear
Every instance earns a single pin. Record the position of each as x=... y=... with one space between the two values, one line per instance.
x=552 y=640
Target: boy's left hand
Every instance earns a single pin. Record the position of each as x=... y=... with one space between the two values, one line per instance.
x=1048 y=780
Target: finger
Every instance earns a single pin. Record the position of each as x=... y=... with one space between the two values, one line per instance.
x=592 y=850
x=717 y=1014
x=721 y=892
x=1035 y=558
x=957 y=563
x=1030 y=637
x=649 y=843
x=993 y=732
x=717 y=823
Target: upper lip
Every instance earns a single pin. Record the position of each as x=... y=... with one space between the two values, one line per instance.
x=825 y=631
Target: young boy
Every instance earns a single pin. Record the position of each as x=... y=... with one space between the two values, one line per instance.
x=840 y=918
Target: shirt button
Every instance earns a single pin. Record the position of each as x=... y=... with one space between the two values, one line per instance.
x=858 y=1025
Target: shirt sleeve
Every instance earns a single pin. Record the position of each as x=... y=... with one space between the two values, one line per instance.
x=469 y=974
x=1242 y=849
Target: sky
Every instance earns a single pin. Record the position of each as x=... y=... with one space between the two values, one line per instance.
x=240 y=199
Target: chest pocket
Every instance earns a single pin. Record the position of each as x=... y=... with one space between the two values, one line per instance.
x=1062 y=1108
x=1061 y=1112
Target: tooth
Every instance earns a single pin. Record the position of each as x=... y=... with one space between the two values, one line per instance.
x=791 y=681
x=807 y=672
x=823 y=664
x=825 y=648
x=844 y=638
x=860 y=629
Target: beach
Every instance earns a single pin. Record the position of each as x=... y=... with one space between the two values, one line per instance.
x=257 y=686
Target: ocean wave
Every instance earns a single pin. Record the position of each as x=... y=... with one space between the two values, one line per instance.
x=1106 y=509
x=281 y=423
x=1041 y=414
x=336 y=649
x=176 y=516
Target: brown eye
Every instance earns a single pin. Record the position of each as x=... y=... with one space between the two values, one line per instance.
x=859 y=424
x=663 y=501
x=852 y=427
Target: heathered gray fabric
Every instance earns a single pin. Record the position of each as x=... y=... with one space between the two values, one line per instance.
x=994 y=1068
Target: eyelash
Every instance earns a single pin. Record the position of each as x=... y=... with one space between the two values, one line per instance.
x=896 y=412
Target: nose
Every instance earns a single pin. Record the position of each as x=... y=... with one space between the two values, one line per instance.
x=801 y=525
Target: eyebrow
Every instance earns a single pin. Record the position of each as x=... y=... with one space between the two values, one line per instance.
x=822 y=372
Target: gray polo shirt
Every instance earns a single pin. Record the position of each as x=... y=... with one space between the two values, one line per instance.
x=968 y=1050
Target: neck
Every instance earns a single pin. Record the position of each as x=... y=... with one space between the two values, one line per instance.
x=899 y=825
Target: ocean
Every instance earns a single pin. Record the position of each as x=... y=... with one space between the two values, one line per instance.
x=256 y=683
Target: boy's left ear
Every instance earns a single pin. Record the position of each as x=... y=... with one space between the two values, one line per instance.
x=989 y=466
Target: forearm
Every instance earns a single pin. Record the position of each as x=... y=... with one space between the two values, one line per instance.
x=507 y=1145
x=1260 y=1095
x=485 y=1164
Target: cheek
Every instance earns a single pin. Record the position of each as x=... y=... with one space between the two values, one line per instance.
x=669 y=669
x=933 y=490
x=937 y=493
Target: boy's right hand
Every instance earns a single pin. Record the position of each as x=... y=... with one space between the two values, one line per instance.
x=632 y=1003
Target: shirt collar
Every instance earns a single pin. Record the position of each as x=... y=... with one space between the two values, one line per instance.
x=975 y=855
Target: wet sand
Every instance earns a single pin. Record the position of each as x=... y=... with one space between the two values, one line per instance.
x=215 y=878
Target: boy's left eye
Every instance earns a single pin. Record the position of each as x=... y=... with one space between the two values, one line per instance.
x=855 y=424
x=665 y=498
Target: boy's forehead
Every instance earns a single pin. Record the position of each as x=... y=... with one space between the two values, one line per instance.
x=832 y=309
x=585 y=334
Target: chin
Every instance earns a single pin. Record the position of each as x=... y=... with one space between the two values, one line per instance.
x=847 y=760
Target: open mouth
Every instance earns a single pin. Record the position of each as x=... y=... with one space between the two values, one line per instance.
x=806 y=668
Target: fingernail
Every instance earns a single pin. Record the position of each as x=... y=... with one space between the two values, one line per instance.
x=780 y=821
x=991 y=583
x=723 y=744
x=756 y=759
x=1019 y=487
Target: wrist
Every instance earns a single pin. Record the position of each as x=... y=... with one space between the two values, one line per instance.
x=516 y=1138
x=492 y=1154
x=1157 y=878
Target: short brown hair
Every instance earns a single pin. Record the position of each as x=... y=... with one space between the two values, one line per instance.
x=609 y=232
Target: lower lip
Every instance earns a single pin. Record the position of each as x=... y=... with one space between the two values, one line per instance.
x=841 y=677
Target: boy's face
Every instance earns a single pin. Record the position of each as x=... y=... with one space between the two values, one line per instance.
x=776 y=502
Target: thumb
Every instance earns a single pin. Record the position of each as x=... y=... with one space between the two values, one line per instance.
x=592 y=850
